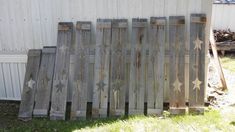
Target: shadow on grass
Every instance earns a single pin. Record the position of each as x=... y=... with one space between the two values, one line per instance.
x=232 y=123
x=44 y=124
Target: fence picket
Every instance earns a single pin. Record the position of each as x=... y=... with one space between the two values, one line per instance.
x=60 y=78
x=197 y=63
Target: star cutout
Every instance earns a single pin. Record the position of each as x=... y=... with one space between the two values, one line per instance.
x=63 y=48
x=45 y=80
x=197 y=43
x=117 y=85
x=101 y=85
x=177 y=84
x=31 y=83
x=59 y=87
x=77 y=84
x=197 y=84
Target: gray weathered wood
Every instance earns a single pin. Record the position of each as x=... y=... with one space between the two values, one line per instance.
x=177 y=64
x=60 y=78
x=102 y=61
x=81 y=70
x=29 y=86
x=197 y=63
x=155 y=77
x=137 y=66
x=44 y=85
x=117 y=72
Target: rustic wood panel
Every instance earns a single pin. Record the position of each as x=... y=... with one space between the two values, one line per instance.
x=81 y=71
x=137 y=66
x=102 y=62
x=117 y=69
x=44 y=85
x=156 y=61
x=177 y=64
x=30 y=83
x=60 y=78
x=197 y=63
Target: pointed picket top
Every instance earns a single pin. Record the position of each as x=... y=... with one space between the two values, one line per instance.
x=197 y=43
x=197 y=84
x=31 y=83
x=177 y=84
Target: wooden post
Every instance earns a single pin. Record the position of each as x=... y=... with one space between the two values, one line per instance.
x=44 y=85
x=137 y=68
x=102 y=61
x=117 y=71
x=177 y=64
x=61 y=72
x=81 y=70
x=197 y=63
x=155 y=78
x=30 y=83
x=217 y=61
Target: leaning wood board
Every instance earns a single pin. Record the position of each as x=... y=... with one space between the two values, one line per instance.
x=61 y=72
x=155 y=76
x=102 y=61
x=81 y=71
x=197 y=63
x=30 y=83
x=44 y=85
x=137 y=68
x=177 y=64
x=117 y=71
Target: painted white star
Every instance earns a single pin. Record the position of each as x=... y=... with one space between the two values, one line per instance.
x=30 y=83
x=197 y=43
x=177 y=84
x=197 y=84
x=63 y=48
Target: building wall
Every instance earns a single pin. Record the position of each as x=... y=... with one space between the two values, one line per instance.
x=223 y=16
x=26 y=24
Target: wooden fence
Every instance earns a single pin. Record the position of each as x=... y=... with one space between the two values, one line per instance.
x=112 y=74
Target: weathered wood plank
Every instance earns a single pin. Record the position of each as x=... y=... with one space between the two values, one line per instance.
x=137 y=66
x=117 y=72
x=44 y=85
x=60 y=78
x=156 y=61
x=177 y=64
x=197 y=63
x=81 y=71
x=102 y=62
x=29 y=86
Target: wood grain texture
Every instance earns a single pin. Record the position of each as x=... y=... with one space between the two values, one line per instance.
x=81 y=71
x=137 y=66
x=156 y=61
x=177 y=63
x=102 y=62
x=29 y=86
x=197 y=61
x=61 y=72
x=44 y=85
x=117 y=69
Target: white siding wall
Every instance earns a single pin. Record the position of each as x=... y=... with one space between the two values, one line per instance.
x=26 y=24
x=223 y=16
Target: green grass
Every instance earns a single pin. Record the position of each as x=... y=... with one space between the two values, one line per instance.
x=210 y=121
x=228 y=62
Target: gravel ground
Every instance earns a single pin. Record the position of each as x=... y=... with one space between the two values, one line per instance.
x=221 y=99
